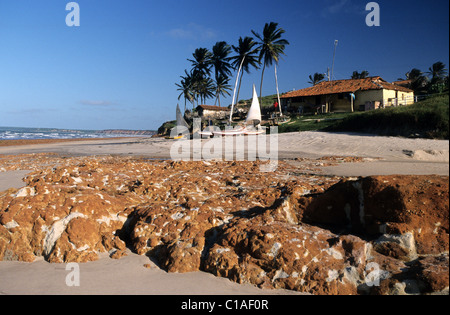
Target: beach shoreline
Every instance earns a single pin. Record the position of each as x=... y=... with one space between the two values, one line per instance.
x=389 y=154
x=20 y=142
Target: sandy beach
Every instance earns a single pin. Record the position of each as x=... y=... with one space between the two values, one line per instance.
x=302 y=151
x=391 y=155
x=126 y=276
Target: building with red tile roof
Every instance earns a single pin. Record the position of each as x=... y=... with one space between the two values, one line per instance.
x=349 y=95
x=213 y=112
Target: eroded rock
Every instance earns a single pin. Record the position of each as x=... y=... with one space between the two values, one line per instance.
x=381 y=234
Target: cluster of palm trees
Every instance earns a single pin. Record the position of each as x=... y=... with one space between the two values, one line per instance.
x=435 y=80
x=316 y=78
x=360 y=75
x=319 y=77
x=210 y=74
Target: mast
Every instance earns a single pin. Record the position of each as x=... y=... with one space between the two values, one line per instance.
x=234 y=92
x=278 y=93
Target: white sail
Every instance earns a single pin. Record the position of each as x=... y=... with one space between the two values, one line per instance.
x=254 y=113
x=180 y=119
x=181 y=129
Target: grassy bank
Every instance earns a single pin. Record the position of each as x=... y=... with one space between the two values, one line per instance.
x=425 y=119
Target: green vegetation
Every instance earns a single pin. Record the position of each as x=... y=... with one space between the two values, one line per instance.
x=165 y=128
x=313 y=123
x=265 y=101
x=433 y=81
x=425 y=119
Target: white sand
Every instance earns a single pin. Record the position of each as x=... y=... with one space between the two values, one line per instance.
x=296 y=144
x=389 y=148
x=12 y=179
x=109 y=276
x=399 y=155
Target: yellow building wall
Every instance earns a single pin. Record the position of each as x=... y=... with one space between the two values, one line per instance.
x=397 y=98
x=409 y=96
x=385 y=97
x=388 y=98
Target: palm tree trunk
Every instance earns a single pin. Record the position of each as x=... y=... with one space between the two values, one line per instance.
x=239 y=88
x=278 y=93
x=260 y=88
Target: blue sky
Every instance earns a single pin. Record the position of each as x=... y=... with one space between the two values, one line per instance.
x=118 y=69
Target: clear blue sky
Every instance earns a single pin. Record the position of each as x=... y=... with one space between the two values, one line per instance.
x=119 y=68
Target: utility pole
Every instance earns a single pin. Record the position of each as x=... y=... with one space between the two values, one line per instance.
x=334 y=54
x=330 y=78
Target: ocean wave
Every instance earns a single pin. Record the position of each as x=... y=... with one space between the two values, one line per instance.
x=30 y=135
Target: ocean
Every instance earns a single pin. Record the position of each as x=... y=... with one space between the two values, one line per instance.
x=17 y=133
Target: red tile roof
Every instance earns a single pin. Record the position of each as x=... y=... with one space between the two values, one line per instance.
x=403 y=82
x=211 y=107
x=346 y=86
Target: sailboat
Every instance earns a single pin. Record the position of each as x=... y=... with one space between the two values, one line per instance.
x=252 y=123
x=179 y=131
x=253 y=116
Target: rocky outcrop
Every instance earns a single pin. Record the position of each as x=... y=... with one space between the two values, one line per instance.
x=409 y=213
x=65 y=214
x=322 y=235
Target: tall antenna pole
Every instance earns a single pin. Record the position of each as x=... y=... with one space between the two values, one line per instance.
x=334 y=54
x=330 y=78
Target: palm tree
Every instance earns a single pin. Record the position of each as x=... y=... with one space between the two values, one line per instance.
x=220 y=62
x=220 y=59
x=437 y=72
x=413 y=74
x=418 y=82
x=201 y=84
x=205 y=88
x=185 y=87
x=246 y=55
x=201 y=64
x=316 y=78
x=271 y=48
x=356 y=75
x=222 y=87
